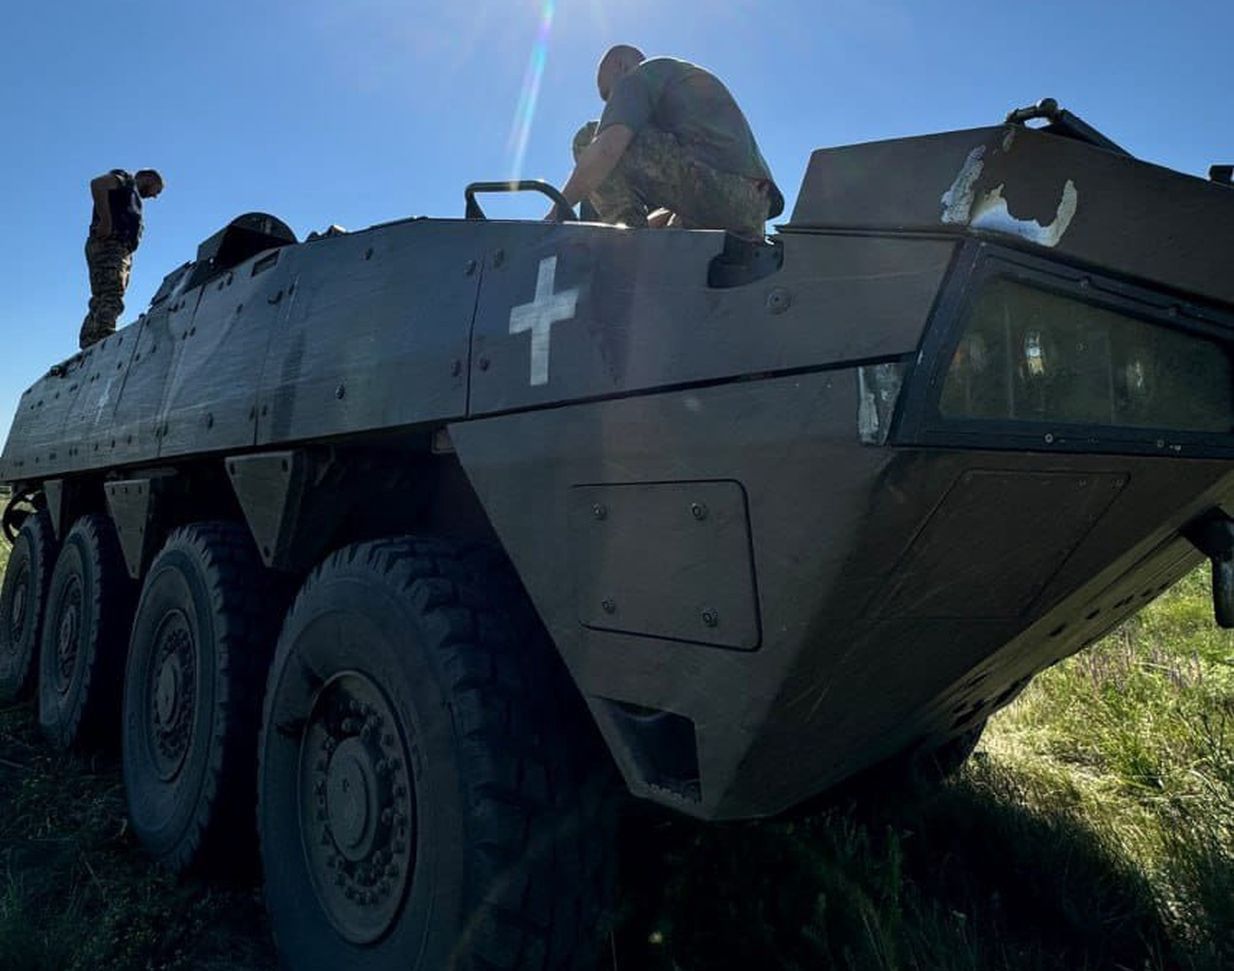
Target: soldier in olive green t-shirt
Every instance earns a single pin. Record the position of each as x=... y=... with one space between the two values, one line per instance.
x=672 y=147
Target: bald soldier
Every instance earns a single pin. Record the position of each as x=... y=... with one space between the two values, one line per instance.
x=671 y=148
x=115 y=231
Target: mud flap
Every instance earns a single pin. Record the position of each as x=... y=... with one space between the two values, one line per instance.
x=1223 y=592
x=1213 y=535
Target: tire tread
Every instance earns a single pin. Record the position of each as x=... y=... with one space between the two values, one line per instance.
x=532 y=761
x=40 y=549
x=93 y=720
x=244 y=597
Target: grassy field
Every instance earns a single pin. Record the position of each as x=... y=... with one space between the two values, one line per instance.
x=1094 y=828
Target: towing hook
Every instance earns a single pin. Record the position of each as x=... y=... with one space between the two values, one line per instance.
x=1213 y=535
x=1045 y=108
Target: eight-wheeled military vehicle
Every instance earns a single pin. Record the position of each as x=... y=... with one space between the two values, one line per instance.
x=410 y=537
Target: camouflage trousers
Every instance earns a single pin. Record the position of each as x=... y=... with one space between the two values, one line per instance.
x=110 y=263
x=658 y=172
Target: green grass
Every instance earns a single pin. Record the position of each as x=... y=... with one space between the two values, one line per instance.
x=76 y=893
x=1094 y=828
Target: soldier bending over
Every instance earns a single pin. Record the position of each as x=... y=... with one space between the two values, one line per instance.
x=671 y=145
x=115 y=231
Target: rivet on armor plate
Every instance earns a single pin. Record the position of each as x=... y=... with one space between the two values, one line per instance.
x=779 y=300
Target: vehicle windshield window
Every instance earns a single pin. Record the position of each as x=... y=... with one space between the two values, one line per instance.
x=1028 y=354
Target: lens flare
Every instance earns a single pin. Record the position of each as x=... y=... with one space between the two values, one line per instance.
x=524 y=114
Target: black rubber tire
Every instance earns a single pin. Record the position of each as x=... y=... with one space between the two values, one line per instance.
x=191 y=778
x=84 y=638
x=22 y=598
x=511 y=849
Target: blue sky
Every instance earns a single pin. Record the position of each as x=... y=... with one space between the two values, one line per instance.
x=361 y=111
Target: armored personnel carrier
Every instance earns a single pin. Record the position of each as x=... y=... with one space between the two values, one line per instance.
x=421 y=538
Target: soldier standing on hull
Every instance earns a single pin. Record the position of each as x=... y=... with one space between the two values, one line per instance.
x=672 y=148
x=115 y=231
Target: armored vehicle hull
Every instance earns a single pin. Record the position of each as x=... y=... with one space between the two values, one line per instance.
x=784 y=510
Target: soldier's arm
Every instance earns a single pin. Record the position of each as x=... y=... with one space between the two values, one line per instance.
x=99 y=187
x=595 y=164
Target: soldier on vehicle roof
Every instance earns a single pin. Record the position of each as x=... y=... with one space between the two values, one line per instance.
x=115 y=231
x=671 y=148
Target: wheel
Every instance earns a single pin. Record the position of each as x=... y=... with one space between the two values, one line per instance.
x=202 y=640
x=21 y=605
x=431 y=793
x=85 y=633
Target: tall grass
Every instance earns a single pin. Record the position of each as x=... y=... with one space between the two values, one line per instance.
x=1140 y=731
x=76 y=892
x=1094 y=828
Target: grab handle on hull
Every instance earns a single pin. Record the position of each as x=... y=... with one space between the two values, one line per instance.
x=473 y=211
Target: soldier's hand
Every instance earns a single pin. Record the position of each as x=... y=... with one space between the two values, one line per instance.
x=659 y=218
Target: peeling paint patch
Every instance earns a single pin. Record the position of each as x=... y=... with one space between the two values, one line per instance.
x=992 y=215
x=878 y=390
x=958 y=200
x=1009 y=139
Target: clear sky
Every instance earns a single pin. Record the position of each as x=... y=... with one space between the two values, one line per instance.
x=361 y=111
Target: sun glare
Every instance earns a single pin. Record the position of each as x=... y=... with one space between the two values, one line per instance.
x=524 y=113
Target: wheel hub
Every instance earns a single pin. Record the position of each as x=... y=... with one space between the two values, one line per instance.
x=167 y=694
x=353 y=799
x=21 y=593
x=172 y=691
x=68 y=636
x=357 y=807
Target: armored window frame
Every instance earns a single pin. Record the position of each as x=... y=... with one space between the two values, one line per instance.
x=978 y=264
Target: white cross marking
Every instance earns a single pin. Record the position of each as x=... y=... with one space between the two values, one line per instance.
x=539 y=316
